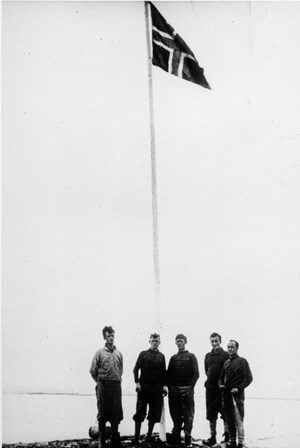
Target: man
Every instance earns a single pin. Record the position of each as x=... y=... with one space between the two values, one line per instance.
x=182 y=375
x=213 y=363
x=235 y=377
x=106 y=370
x=150 y=379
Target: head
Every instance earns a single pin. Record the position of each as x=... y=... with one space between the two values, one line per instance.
x=154 y=341
x=181 y=341
x=215 y=340
x=108 y=334
x=232 y=347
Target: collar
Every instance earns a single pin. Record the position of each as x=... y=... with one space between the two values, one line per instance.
x=219 y=351
x=111 y=350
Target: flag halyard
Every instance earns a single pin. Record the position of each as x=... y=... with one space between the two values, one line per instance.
x=171 y=53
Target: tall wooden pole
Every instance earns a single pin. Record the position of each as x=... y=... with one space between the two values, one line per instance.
x=153 y=173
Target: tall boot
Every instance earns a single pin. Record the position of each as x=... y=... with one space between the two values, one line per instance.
x=187 y=440
x=149 y=433
x=137 y=432
x=115 y=435
x=101 y=427
x=213 y=432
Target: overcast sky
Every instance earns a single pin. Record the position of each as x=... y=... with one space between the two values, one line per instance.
x=77 y=222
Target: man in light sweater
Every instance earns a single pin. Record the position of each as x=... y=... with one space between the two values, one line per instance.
x=106 y=370
x=182 y=375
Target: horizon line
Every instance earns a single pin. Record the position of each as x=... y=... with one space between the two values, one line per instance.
x=87 y=394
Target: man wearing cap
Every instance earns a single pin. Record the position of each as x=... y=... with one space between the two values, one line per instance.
x=235 y=377
x=106 y=370
x=150 y=379
x=213 y=363
x=182 y=375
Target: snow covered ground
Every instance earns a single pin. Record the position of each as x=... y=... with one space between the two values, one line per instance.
x=269 y=423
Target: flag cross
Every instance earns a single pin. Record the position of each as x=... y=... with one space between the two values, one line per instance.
x=176 y=57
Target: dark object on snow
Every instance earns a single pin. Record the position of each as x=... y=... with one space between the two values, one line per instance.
x=94 y=432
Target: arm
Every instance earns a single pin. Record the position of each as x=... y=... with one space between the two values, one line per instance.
x=136 y=369
x=205 y=364
x=248 y=378
x=94 y=368
x=121 y=362
x=222 y=377
x=195 y=369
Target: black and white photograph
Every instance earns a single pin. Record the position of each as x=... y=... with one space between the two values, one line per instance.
x=150 y=224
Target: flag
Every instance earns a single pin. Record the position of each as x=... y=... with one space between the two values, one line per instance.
x=171 y=53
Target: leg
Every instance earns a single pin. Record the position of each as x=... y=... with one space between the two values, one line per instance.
x=229 y=415
x=100 y=394
x=155 y=402
x=101 y=426
x=176 y=414
x=213 y=398
x=150 y=428
x=137 y=432
x=188 y=415
x=115 y=436
x=139 y=416
x=239 y=418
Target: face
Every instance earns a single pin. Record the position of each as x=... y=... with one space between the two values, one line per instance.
x=215 y=342
x=109 y=337
x=154 y=343
x=232 y=349
x=180 y=344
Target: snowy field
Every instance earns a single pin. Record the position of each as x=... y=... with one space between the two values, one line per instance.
x=269 y=423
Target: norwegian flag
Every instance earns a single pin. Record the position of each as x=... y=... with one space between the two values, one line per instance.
x=171 y=53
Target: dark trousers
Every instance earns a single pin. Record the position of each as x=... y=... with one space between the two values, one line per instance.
x=151 y=396
x=182 y=409
x=109 y=402
x=234 y=412
x=214 y=404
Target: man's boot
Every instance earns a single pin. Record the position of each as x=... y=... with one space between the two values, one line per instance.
x=116 y=440
x=211 y=441
x=225 y=437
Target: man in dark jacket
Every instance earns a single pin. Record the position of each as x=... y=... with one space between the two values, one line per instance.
x=182 y=373
x=235 y=377
x=213 y=364
x=150 y=379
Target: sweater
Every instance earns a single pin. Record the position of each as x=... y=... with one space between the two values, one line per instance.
x=213 y=364
x=107 y=365
x=183 y=369
x=152 y=367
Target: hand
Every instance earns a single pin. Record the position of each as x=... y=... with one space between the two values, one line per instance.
x=138 y=387
x=165 y=391
x=234 y=390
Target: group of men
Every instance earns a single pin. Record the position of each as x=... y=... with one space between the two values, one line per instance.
x=227 y=373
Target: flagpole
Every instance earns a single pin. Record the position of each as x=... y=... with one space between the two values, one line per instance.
x=153 y=173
